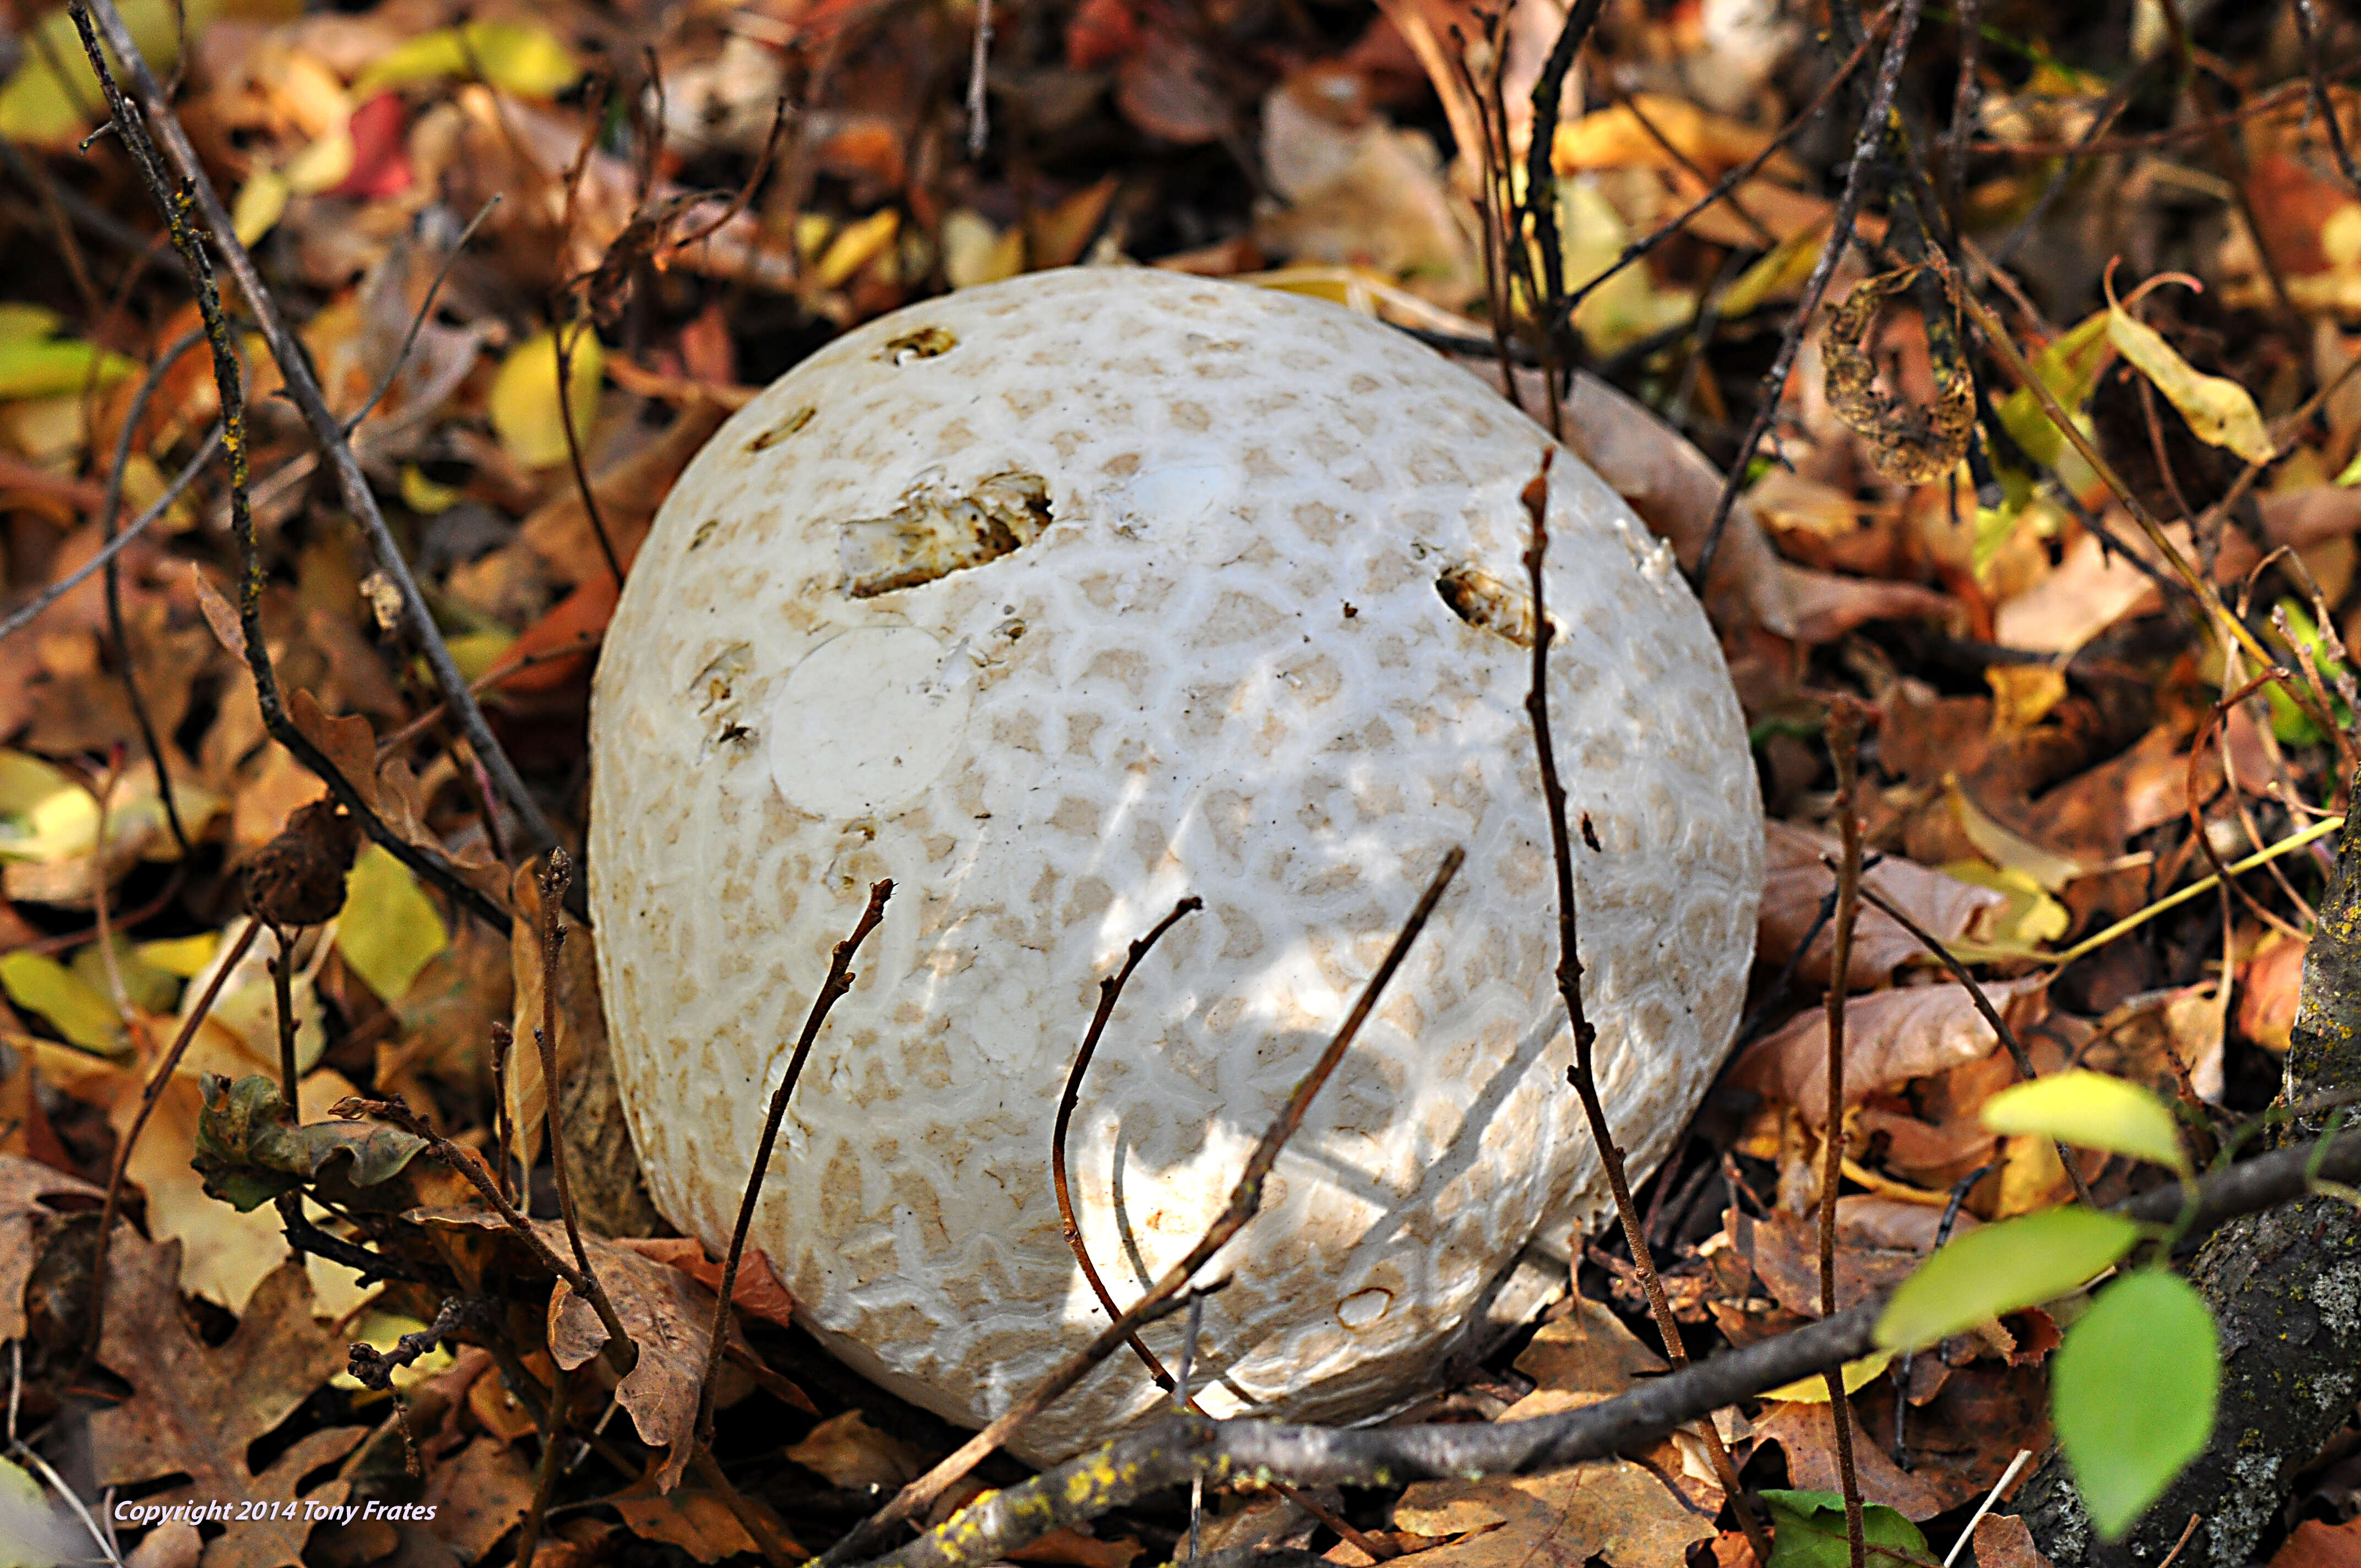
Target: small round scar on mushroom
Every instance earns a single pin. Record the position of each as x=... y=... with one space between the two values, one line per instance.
x=1056 y=600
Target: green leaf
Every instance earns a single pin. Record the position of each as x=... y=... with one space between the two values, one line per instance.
x=2132 y=1393
x=388 y=930
x=1809 y=1532
x=515 y=57
x=41 y=108
x=46 y=369
x=250 y=1148
x=2091 y=1111
x=2069 y=368
x=38 y=983
x=2001 y=1268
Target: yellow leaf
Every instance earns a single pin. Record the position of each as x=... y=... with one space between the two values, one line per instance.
x=2070 y=368
x=477 y=652
x=1782 y=271
x=33 y=368
x=2218 y=409
x=855 y=248
x=182 y=956
x=260 y=203
x=1814 y=1390
x=524 y=406
x=388 y=930
x=324 y=164
x=422 y=495
x=45 y=816
x=515 y=57
x=38 y=108
x=2007 y=849
x=21 y=322
x=2001 y=1268
x=38 y=983
x=2091 y=1110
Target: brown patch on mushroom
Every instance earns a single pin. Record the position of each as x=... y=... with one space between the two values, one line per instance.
x=935 y=532
x=784 y=429
x=925 y=343
x=1487 y=604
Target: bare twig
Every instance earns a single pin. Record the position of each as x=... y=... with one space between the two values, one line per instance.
x=840 y=981
x=417 y=317
x=555 y=878
x=1581 y=1075
x=1171 y=1453
x=304 y=387
x=1775 y=380
x=1110 y=991
x=282 y=986
x=1844 y=747
x=979 y=102
x=1992 y=1016
x=1245 y=1200
x=565 y=340
x=153 y=1092
x=2306 y=26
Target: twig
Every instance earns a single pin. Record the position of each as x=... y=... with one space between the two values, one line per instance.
x=116 y=543
x=417 y=317
x=1844 y=749
x=1985 y=1506
x=564 y=347
x=546 y=1474
x=1245 y=1200
x=1775 y=380
x=1992 y=1016
x=1110 y=989
x=1958 y=1201
x=189 y=241
x=2187 y=1530
x=1535 y=500
x=840 y=981
x=1172 y=1452
x=295 y=367
x=979 y=104
x=147 y=1100
x=1540 y=177
x=2306 y=26
x=282 y=986
x=555 y=878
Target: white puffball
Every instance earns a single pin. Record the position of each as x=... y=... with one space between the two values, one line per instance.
x=1055 y=600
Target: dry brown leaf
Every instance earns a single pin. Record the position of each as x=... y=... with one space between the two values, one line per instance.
x=697 y=1522
x=347 y=741
x=2269 y=984
x=1890 y=1037
x=2002 y=1542
x=479 y=1495
x=1615 y=138
x=628 y=494
x=1589 y=1351
x=1073 y=1549
x=194 y=1409
x=601 y=1163
x=1795 y=879
x=175 y=1543
x=1783 y=1250
x=2316 y=1545
x=1807 y=1432
x=668 y=1315
x=26 y=1190
x=856 y=1457
x=757 y=1290
x=1609 y=1509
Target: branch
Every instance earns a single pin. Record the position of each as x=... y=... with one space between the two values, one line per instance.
x=1245 y=1200
x=1174 y=1451
x=304 y=387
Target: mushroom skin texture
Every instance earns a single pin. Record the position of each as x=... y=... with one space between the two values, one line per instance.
x=1055 y=600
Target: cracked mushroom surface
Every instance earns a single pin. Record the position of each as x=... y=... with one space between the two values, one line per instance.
x=1055 y=600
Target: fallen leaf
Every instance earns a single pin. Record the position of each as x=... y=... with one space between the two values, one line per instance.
x=523 y=401
x=1615 y=138
x=1796 y=879
x=1589 y=1351
x=26 y=1192
x=2269 y=984
x=2219 y=411
x=1609 y=1509
x=2002 y=1541
x=517 y=57
x=697 y=1522
x=757 y=1289
x=856 y=1457
x=478 y=1495
x=2316 y=1545
x=668 y=1316
x=628 y=494
x=194 y=1409
x=1890 y=1037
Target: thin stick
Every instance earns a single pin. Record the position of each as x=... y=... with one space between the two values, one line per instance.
x=1991 y=1016
x=545 y=1480
x=418 y=318
x=147 y=1100
x=1110 y=989
x=554 y=877
x=1535 y=500
x=1245 y=1201
x=2306 y=23
x=1844 y=747
x=1985 y=1506
x=117 y=542
x=282 y=985
x=564 y=347
x=304 y=387
x=979 y=104
x=840 y=981
x=2187 y=1530
x=1775 y=380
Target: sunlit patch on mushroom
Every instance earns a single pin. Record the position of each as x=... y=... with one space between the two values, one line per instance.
x=1363 y=1308
x=935 y=531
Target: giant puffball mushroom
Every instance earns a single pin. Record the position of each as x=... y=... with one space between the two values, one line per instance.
x=1055 y=600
